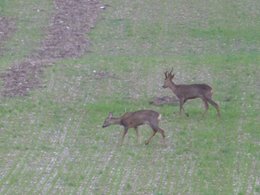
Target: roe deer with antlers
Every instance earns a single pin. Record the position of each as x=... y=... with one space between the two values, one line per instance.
x=186 y=92
x=135 y=119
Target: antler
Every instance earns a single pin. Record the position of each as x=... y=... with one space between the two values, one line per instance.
x=166 y=74
x=171 y=72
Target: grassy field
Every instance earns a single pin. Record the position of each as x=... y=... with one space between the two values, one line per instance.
x=52 y=142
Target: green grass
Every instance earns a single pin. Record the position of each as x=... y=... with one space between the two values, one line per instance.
x=52 y=141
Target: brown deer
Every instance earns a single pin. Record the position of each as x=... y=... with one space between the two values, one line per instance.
x=135 y=119
x=186 y=92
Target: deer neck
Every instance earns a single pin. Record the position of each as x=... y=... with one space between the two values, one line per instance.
x=116 y=120
x=173 y=87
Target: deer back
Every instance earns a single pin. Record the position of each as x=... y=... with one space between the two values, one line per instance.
x=192 y=91
x=140 y=117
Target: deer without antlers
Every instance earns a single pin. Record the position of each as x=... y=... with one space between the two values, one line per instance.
x=186 y=92
x=135 y=119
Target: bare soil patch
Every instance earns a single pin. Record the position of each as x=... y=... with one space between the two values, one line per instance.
x=65 y=37
x=159 y=101
x=7 y=27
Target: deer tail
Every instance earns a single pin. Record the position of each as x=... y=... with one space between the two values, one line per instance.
x=159 y=117
x=209 y=93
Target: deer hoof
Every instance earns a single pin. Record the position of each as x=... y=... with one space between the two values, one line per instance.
x=146 y=142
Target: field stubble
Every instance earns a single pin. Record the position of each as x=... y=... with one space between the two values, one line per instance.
x=52 y=140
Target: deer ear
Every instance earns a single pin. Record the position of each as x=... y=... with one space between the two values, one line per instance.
x=110 y=114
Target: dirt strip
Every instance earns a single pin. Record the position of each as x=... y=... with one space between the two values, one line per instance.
x=7 y=27
x=65 y=38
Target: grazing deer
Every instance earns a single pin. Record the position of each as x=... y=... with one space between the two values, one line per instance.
x=186 y=92
x=135 y=119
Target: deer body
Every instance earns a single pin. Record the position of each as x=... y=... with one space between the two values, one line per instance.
x=186 y=92
x=136 y=119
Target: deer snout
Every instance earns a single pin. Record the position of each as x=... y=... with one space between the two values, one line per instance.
x=164 y=86
x=104 y=125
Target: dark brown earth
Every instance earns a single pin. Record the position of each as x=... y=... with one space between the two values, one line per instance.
x=65 y=37
x=7 y=27
x=159 y=101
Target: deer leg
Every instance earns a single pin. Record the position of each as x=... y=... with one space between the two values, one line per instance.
x=206 y=105
x=154 y=132
x=137 y=134
x=123 y=136
x=182 y=102
x=181 y=105
x=215 y=105
x=162 y=133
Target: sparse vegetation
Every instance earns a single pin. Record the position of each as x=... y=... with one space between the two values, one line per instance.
x=51 y=141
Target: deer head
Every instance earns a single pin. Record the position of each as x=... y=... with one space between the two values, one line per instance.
x=168 y=79
x=108 y=121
